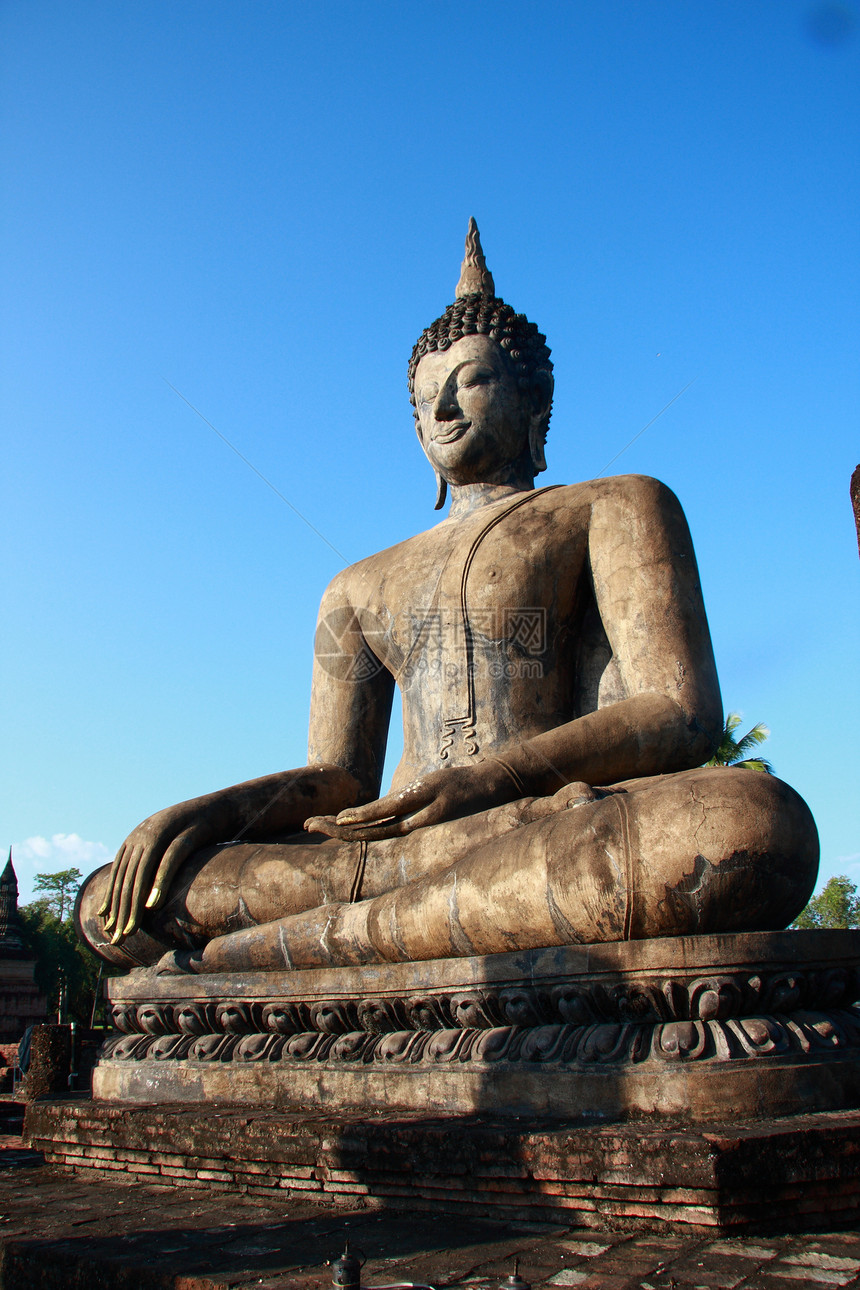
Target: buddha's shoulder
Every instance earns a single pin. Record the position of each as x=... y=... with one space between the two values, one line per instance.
x=569 y=506
x=374 y=570
x=640 y=491
x=615 y=508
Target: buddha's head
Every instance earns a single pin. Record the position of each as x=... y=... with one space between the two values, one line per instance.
x=480 y=381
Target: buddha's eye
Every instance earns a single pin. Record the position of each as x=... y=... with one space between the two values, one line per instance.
x=428 y=394
x=475 y=376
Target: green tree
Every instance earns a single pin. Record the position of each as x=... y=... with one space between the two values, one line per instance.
x=50 y=938
x=61 y=888
x=836 y=905
x=733 y=752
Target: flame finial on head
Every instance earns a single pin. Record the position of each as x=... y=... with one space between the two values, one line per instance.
x=474 y=275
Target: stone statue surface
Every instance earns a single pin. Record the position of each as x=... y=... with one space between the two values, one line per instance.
x=559 y=698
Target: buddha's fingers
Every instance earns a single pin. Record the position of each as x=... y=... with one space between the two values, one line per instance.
x=105 y=905
x=326 y=824
x=140 y=884
x=178 y=851
x=394 y=806
x=118 y=867
x=375 y=831
x=110 y=905
x=124 y=922
x=440 y=795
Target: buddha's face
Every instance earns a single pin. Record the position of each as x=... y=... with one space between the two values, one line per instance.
x=473 y=420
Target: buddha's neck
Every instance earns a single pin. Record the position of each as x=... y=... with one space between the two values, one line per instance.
x=466 y=498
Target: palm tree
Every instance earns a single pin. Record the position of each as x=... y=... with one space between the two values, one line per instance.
x=733 y=752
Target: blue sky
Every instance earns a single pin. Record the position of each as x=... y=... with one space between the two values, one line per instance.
x=262 y=204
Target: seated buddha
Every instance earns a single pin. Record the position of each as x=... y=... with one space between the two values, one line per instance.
x=559 y=699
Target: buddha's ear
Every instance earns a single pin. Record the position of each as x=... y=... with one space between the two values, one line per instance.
x=542 y=387
x=441 y=491
x=541 y=392
x=441 y=484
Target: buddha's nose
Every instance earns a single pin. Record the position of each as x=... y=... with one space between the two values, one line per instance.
x=446 y=407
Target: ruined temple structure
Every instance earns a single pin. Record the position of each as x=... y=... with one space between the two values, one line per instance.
x=21 y=1004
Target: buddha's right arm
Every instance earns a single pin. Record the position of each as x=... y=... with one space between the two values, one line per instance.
x=149 y=858
x=350 y=709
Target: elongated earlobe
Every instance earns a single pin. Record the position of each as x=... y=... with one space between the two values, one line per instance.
x=441 y=491
x=542 y=391
x=536 y=439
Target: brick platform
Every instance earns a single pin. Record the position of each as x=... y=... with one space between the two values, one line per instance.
x=794 y=1174
x=62 y=1232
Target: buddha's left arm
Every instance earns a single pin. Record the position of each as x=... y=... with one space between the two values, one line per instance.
x=646 y=586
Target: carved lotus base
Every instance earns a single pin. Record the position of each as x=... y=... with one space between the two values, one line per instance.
x=737 y=1026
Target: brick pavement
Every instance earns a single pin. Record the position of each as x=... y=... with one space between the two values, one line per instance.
x=58 y=1231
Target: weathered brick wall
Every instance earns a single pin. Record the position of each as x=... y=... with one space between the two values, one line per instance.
x=8 y=1063
x=629 y=1176
x=8 y=1054
x=21 y=1004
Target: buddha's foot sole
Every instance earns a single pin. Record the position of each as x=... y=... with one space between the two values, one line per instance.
x=741 y=1025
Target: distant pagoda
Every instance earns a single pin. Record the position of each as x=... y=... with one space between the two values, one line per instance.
x=21 y=1004
x=11 y=940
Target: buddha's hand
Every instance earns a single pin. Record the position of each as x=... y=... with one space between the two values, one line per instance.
x=147 y=861
x=442 y=795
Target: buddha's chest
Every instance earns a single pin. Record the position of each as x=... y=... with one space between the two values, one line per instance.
x=498 y=585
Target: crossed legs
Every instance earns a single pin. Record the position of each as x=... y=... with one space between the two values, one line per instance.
x=696 y=852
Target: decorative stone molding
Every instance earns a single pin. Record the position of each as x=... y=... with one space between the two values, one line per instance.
x=602 y=1043
x=689 y=1027
x=605 y=1014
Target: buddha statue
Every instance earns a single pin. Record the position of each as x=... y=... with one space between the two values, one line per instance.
x=559 y=699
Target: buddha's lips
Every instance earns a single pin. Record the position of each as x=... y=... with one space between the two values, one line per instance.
x=451 y=433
